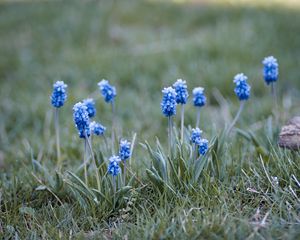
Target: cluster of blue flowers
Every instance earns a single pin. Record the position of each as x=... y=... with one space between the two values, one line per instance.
x=168 y=104
x=200 y=143
x=124 y=154
x=124 y=151
x=113 y=166
x=59 y=94
x=270 y=70
x=81 y=119
x=108 y=91
x=90 y=105
x=181 y=91
x=242 y=89
x=199 y=98
x=97 y=128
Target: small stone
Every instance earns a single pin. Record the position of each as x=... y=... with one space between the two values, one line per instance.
x=289 y=136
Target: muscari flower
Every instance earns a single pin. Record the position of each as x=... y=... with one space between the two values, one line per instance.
x=113 y=166
x=124 y=151
x=81 y=119
x=181 y=91
x=108 y=92
x=202 y=146
x=196 y=135
x=90 y=104
x=242 y=89
x=168 y=103
x=199 y=98
x=270 y=70
x=97 y=128
x=59 y=94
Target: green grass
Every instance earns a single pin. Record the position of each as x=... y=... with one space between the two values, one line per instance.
x=142 y=46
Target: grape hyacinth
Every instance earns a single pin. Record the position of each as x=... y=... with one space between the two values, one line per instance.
x=242 y=91
x=181 y=98
x=168 y=103
x=58 y=98
x=97 y=128
x=82 y=123
x=108 y=91
x=202 y=146
x=90 y=104
x=124 y=153
x=168 y=107
x=270 y=70
x=81 y=119
x=199 y=101
x=114 y=169
x=196 y=135
x=59 y=94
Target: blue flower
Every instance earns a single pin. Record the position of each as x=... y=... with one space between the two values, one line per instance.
x=270 y=70
x=97 y=128
x=90 y=104
x=81 y=119
x=202 y=146
x=108 y=92
x=199 y=98
x=113 y=166
x=168 y=103
x=59 y=94
x=196 y=135
x=242 y=89
x=124 y=151
x=181 y=91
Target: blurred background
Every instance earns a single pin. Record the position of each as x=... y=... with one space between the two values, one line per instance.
x=140 y=47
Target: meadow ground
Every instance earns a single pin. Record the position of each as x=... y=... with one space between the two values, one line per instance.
x=142 y=46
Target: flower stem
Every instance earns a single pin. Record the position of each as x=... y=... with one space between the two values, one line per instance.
x=182 y=122
x=57 y=137
x=274 y=95
x=170 y=135
x=94 y=161
x=198 y=117
x=112 y=129
x=124 y=173
x=85 y=163
x=236 y=117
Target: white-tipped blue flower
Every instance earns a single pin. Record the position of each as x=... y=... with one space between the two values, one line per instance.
x=199 y=98
x=90 y=104
x=81 y=119
x=168 y=103
x=124 y=151
x=97 y=128
x=270 y=70
x=108 y=91
x=202 y=146
x=59 y=94
x=181 y=91
x=113 y=166
x=196 y=135
x=242 y=89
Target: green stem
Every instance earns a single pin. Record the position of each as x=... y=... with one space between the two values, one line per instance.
x=170 y=135
x=236 y=117
x=182 y=122
x=94 y=162
x=57 y=138
x=85 y=163
x=124 y=173
x=198 y=117
x=112 y=129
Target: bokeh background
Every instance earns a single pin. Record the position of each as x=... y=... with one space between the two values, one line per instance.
x=140 y=47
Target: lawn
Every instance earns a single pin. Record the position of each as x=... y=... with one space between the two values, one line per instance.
x=141 y=47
